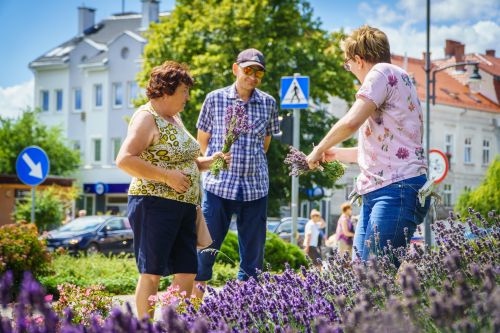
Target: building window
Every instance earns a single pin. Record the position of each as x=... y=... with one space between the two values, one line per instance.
x=44 y=97
x=468 y=150
x=78 y=99
x=448 y=144
x=115 y=147
x=77 y=146
x=98 y=95
x=117 y=94
x=97 y=149
x=132 y=93
x=447 y=195
x=59 y=100
x=486 y=152
x=124 y=52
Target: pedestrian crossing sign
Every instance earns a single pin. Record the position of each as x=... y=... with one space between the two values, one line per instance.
x=294 y=92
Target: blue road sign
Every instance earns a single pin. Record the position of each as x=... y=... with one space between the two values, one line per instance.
x=32 y=165
x=294 y=92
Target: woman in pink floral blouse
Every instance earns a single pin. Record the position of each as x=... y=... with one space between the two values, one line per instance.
x=388 y=118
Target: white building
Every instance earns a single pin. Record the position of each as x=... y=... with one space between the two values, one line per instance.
x=86 y=85
x=465 y=121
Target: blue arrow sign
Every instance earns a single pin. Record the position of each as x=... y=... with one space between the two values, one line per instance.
x=32 y=165
x=294 y=92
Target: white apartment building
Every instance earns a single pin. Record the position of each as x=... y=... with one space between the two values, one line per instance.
x=86 y=85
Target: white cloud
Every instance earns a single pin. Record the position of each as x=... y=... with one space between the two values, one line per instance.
x=479 y=37
x=378 y=14
x=451 y=10
x=15 y=99
x=472 y=22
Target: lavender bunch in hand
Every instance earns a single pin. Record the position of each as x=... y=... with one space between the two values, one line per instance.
x=297 y=163
x=237 y=123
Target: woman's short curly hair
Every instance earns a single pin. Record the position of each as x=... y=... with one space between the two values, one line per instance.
x=371 y=44
x=166 y=78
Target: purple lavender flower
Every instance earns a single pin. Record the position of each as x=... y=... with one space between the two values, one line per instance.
x=297 y=162
x=237 y=123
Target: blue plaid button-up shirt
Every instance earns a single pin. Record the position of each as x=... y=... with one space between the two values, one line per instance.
x=248 y=171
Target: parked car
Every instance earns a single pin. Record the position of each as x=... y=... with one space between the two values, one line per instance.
x=284 y=229
x=91 y=234
x=272 y=223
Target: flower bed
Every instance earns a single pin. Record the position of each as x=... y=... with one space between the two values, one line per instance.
x=450 y=288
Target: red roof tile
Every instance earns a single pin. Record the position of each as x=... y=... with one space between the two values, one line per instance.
x=449 y=91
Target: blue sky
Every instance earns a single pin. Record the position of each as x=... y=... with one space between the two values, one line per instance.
x=29 y=28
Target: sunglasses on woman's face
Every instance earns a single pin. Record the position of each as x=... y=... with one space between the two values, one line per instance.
x=259 y=73
x=347 y=65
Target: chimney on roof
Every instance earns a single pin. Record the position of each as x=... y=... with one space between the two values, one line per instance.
x=490 y=53
x=150 y=12
x=457 y=50
x=86 y=19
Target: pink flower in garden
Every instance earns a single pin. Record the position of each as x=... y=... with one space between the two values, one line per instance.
x=403 y=153
x=48 y=298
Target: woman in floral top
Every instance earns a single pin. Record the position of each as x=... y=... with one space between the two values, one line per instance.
x=390 y=155
x=164 y=161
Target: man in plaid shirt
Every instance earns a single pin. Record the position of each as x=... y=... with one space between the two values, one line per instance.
x=243 y=189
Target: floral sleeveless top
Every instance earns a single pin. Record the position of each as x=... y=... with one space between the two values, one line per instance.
x=176 y=149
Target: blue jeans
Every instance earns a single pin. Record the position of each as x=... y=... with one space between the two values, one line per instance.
x=251 y=222
x=385 y=215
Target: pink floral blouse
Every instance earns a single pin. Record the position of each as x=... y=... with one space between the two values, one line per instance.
x=390 y=141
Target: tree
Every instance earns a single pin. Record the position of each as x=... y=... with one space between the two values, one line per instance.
x=17 y=134
x=484 y=198
x=50 y=205
x=208 y=34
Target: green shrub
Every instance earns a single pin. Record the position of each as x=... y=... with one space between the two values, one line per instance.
x=21 y=250
x=49 y=209
x=230 y=251
x=118 y=274
x=277 y=253
x=486 y=197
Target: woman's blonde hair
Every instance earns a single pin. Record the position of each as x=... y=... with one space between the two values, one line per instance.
x=370 y=44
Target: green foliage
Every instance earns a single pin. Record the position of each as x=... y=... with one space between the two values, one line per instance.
x=118 y=274
x=15 y=135
x=277 y=253
x=49 y=209
x=208 y=35
x=21 y=250
x=486 y=197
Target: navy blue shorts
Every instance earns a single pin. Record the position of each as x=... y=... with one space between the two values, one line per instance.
x=164 y=235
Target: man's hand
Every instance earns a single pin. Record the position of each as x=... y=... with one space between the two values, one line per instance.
x=226 y=157
x=177 y=180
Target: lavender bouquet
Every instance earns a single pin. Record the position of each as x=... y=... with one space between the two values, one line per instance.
x=237 y=123
x=297 y=163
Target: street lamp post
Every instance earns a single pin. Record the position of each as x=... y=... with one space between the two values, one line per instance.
x=428 y=72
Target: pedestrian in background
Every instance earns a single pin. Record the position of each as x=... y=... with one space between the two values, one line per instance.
x=311 y=237
x=345 y=230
